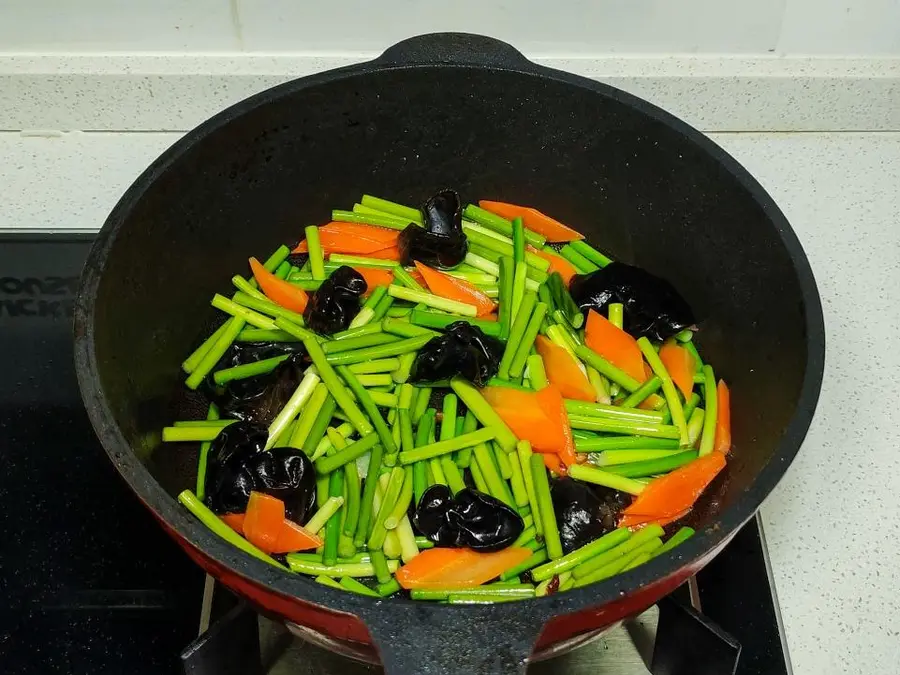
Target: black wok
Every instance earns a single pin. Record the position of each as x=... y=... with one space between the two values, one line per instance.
x=471 y=113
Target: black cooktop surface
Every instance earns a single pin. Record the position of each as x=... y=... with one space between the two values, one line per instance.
x=89 y=583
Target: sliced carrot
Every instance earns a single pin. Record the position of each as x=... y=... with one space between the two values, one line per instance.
x=263 y=521
x=375 y=277
x=359 y=231
x=614 y=345
x=417 y=277
x=667 y=498
x=554 y=463
x=557 y=263
x=294 y=537
x=551 y=401
x=349 y=246
x=455 y=289
x=652 y=402
x=722 y=442
x=636 y=521
x=568 y=452
x=235 y=521
x=679 y=363
x=533 y=220
x=390 y=253
x=523 y=413
x=563 y=371
x=342 y=243
x=352 y=238
x=454 y=568
x=278 y=290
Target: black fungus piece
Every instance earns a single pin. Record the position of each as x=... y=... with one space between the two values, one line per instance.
x=471 y=519
x=260 y=398
x=652 y=306
x=463 y=349
x=441 y=242
x=286 y=473
x=584 y=512
x=228 y=480
x=238 y=464
x=242 y=353
x=430 y=517
x=331 y=308
x=297 y=259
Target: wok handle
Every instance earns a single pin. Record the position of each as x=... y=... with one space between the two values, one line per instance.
x=455 y=49
x=469 y=640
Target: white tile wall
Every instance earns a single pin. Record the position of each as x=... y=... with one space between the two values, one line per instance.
x=116 y=25
x=534 y=26
x=870 y=27
x=538 y=27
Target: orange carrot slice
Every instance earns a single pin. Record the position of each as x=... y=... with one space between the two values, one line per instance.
x=390 y=253
x=526 y=418
x=563 y=371
x=557 y=263
x=722 y=442
x=352 y=238
x=263 y=521
x=533 y=220
x=386 y=236
x=554 y=463
x=455 y=289
x=235 y=521
x=551 y=401
x=294 y=537
x=455 y=568
x=667 y=498
x=614 y=345
x=375 y=277
x=679 y=363
x=637 y=521
x=418 y=278
x=347 y=246
x=278 y=290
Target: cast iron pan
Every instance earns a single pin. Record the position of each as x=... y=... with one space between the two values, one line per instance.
x=472 y=113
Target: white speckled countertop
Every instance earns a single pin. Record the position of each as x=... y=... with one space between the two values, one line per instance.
x=832 y=525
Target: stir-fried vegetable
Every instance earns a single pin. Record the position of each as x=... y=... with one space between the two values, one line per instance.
x=558 y=264
x=669 y=497
x=458 y=568
x=429 y=400
x=534 y=220
x=455 y=289
x=723 y=421
x=679 y=364
x=563 y=371
x=614 y=345
x=352 y=239
x=277 y=290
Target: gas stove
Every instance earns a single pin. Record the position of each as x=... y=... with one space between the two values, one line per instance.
x=91 y=584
